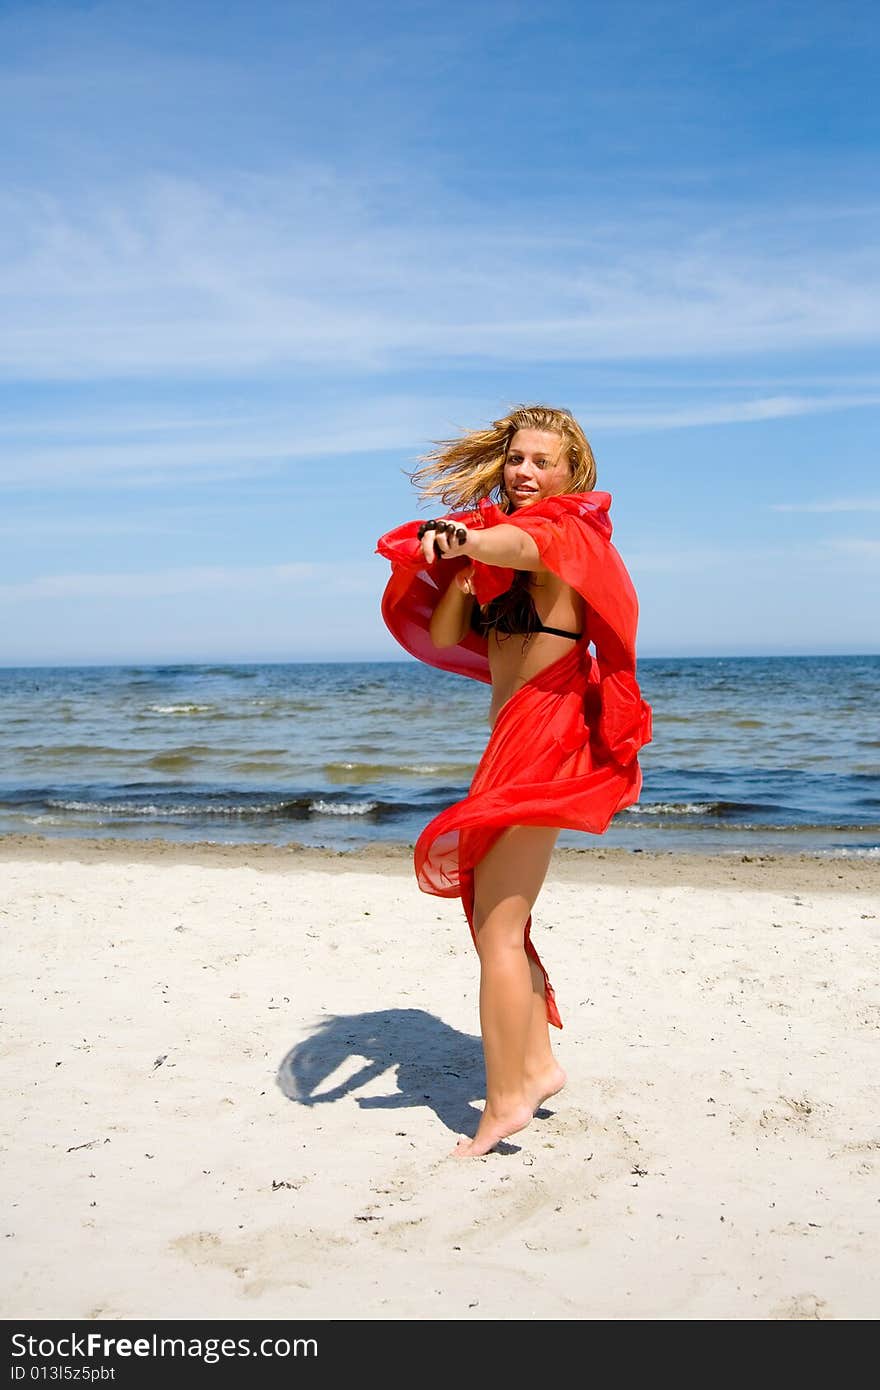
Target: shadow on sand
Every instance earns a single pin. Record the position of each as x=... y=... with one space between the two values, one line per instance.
x=436 y=1066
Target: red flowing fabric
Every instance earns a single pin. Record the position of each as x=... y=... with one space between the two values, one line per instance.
x=563 y=751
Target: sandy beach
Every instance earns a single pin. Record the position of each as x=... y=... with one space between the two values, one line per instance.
x=233 y=1076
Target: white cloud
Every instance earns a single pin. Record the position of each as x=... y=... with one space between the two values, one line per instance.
x=793 y=563
x=695 y=413
x=833 y=504
x=168 y=275
x=248 y=444
x=162 y=583
x=857 y=547
x=236 y=446
x=720 y=558
x=58 y=527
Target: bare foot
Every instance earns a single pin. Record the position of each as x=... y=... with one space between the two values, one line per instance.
x=493 y=1127
x=545 y=1084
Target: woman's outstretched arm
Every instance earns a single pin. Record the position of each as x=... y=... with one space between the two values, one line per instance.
x=498 y=545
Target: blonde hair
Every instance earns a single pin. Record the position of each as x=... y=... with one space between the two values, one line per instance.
x=463 y=471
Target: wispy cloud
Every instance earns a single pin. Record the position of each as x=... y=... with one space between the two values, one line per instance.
x=858 y=547
x=170 y=275
x=695 y=560
x=696 y=413
x=797 y=561
x=68 y=528
x=237 y=446
x=251 y=444
x=832 y=504
x=161 y=583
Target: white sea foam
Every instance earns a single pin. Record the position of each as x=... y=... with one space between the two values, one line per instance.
x=389 y=769
x=674 y=808
x=139 y=808
x=342 y=808
x=180 y=709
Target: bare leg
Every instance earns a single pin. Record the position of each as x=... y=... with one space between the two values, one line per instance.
x=520 y=1068
x=543 y=1074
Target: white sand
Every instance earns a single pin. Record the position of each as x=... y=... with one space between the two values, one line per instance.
x=715 y=1154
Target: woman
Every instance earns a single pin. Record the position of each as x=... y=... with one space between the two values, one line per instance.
x=512 y=587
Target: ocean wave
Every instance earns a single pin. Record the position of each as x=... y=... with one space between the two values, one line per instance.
x=849 y=851
x=381 y=772
x=180 y=709
x=152 y=808
x=299 y=808
x=171 y=762
x=258 y=765
x=237 y=672
x=49 y=751
x=717 y=809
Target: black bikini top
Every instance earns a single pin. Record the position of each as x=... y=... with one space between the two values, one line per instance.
x=514 y=612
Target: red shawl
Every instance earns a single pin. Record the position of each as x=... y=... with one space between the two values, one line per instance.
x=584 y=714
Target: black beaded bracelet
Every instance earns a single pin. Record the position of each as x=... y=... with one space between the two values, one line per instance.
x=449 y=528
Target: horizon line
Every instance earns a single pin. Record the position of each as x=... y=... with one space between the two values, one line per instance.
x=406 y=660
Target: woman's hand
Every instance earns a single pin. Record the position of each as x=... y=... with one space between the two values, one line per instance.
x=505 y=545
x=441 y=540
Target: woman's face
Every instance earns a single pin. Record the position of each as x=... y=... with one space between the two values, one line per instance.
x=536 y=467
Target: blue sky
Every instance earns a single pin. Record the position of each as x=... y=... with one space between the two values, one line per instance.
x=256 y=257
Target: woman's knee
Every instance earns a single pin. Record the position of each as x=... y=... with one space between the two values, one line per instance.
x=507 y=881
x=500 y=928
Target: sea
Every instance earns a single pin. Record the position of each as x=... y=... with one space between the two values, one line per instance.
x=750 y=754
